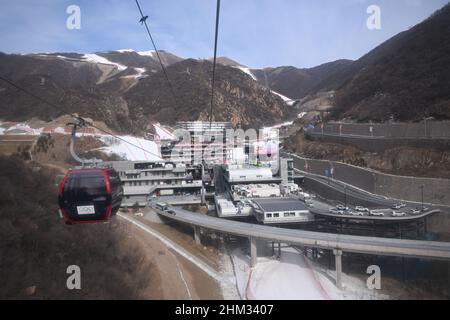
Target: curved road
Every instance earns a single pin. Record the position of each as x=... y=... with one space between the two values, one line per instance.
x=347 y=243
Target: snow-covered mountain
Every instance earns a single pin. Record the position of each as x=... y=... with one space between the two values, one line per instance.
x=248 y=71
x=127 y=90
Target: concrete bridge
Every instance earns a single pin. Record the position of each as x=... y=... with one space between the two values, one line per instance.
x=337 y=243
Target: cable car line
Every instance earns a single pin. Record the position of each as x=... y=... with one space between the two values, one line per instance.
x=143 y=21
x=74 y=115
x=214 y=61
x=93 y=195
x=27 y=92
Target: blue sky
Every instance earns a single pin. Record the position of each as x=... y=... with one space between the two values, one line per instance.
x=257 y=33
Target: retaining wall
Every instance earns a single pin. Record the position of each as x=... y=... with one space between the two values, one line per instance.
x=424 y=129
x=377 y=144
x=436 y=191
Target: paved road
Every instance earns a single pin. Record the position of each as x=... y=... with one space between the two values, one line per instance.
x=378 y=201
x=381 y=202
x=347 y=243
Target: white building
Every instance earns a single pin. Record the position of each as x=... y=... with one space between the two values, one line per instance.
x=244 y=173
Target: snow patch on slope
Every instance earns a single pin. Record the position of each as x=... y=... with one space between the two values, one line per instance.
x=163 y=133
x=139 y=74
x=150 y=53
x=130 y=152
x=94 y=58
x=246 y=71
x=287 y=100
x=125 y=50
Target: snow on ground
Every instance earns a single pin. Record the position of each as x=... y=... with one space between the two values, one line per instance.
x=293 y=277
x=241 y=263
x=302 y=114
x=94 y=58
x=163 y=133
x=289 y=278
x=247 y=71
x=125 y=50
x=286 y=100
x=130 y=152
x=139 y=73
x=354 y=288
x=149 y=53
x=22 y=129
x=278 y=126
x=273 y=132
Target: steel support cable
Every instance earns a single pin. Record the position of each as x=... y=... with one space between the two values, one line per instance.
x=144 y=21
x=83 y=121
x=214 y=62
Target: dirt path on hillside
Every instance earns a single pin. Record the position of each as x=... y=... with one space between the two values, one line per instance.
x=177 y=277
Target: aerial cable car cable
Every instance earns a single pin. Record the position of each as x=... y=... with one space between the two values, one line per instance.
x=27 y=92
x=75 y=116
x=143 y=21
x=86 y=195
x=214 y=61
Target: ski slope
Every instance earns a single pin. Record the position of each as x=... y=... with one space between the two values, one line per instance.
x=128 y=151
x=162 y=132
x=94 y=58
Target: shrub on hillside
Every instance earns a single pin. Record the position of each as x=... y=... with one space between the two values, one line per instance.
x=37 y=246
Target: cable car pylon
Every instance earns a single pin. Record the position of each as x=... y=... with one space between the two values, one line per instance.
x=77 y=123
x=92 y=193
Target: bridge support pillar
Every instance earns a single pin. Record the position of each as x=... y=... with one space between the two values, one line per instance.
x=203 y=195
x=253 y=252
x=338 y=260
x=448 y=273
x=197 y=235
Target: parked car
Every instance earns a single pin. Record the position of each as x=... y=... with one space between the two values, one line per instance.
x=361 y=209
x=310 y=205
x=341 y=207
x=398 y=214
x=376 y=213
x=415 y=211
x=357 y=213
x=425 y=208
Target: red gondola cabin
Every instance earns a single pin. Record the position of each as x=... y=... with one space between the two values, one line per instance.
x=90 y=195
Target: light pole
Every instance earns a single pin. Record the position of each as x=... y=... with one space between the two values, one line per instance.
x=421 y=188
x=345 y=195
x=425 y=122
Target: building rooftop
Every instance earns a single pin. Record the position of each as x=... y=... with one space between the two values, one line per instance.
x=280 y=205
